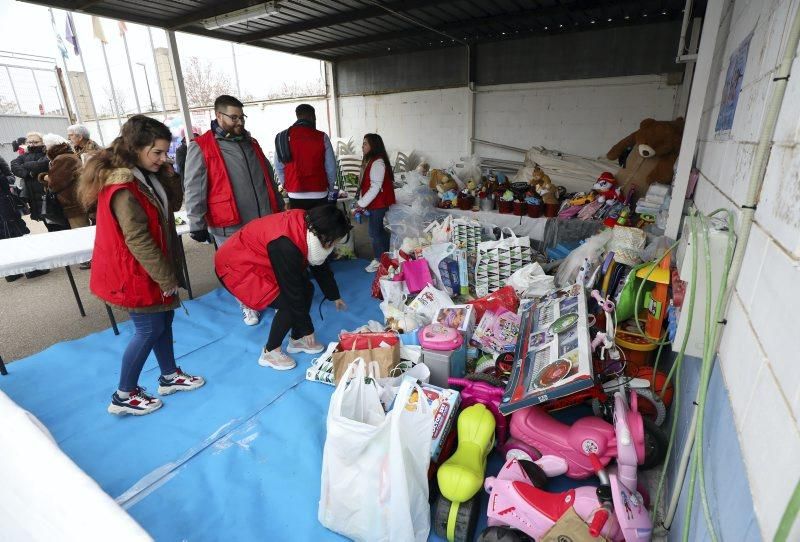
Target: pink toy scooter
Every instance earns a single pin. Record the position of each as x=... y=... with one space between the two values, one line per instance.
x=614 y=510
x=559 y=448
x=476 y=391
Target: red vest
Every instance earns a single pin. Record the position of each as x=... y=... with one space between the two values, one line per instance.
x=243 y=264
x=306 y=171
x=222 y=211
x=117 y=276
x=385 y=197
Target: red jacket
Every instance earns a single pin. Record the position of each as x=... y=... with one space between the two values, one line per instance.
x=117 y=276
x=306 y=171
x=385 y=197
x=243 y=264
x=222 y=211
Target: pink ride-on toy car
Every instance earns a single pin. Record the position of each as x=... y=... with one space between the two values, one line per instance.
x=559 y=448
x=477 y=391
x=614 y=510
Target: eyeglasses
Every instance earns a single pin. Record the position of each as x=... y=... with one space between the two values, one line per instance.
x=234 y=118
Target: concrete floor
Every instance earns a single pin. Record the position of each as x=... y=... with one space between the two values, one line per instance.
x=37 y=313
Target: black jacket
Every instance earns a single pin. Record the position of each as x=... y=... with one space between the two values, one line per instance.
x=28 y=166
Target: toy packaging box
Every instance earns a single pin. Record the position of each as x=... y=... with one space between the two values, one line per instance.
x=553 y=355
x=497 y=331
x=444 y=405
x=460 y=317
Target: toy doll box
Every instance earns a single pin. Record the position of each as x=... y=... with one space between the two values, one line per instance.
x=444 y=404
x=460 y=317
x=553 y=356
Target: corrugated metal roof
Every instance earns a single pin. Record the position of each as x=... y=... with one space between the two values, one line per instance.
x=357 y=28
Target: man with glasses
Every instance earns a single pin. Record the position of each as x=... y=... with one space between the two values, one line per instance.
x=228 y=180
x=305 y=162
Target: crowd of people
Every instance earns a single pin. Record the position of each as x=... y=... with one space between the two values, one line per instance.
x=268 y=250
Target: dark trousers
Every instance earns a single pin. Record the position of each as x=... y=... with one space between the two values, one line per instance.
x=293 y=304
x=377 y=233
x=153 y=333
x=307 y=204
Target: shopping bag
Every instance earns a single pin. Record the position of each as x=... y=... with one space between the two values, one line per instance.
x=386 y=262
x=439 y=258
x=417 y=274
x=505 y=297
x=497 y=261
x=409 y=458
x=390 y=386
x=355 y=473
x=386 y=358
x=429 y=301
x=363 y=341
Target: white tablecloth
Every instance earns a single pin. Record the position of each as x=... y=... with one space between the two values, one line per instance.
x=54 y=249
x=520 y=225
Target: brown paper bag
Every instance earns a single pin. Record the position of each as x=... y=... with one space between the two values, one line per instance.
x=570 y=527
x=386 y=358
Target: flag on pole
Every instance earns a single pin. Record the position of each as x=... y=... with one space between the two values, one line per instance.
x=122 y=27
x=62 y=47
x=72 y=35
x=97 y=27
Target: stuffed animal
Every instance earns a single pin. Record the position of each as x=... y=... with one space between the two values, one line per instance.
x=655 y=147
x=472 y=187
x=606 y=188
x=548 y=191
x=423 y=168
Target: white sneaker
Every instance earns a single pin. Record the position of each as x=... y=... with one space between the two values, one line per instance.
x=251 y=317
x=138 y=403
x=181 y=382
x=306 y=345
x=373 y=266
x=277 y=360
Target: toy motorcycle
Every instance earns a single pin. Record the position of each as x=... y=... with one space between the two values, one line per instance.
x=461 y=476
x=559 y=448
x=614 y=510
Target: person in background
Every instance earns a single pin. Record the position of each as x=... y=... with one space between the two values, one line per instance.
x=27 y=167
x=11 y=223
x=376 y=191
x=305 y=162
x=180 y=156
x=18 y=145
x=79 y=136
x=136 y=265
x=267 y=263
x=228 y=181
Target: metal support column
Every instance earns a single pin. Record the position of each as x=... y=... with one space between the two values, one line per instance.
x=112 y=319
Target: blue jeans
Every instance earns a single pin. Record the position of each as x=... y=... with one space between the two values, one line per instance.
x=377 y=233
x=153 y=333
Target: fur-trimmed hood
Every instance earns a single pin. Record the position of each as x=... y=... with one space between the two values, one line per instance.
x=59 y=149
x=120 y=175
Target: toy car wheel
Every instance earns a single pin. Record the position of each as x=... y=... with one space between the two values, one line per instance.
x=516 y=449
x=466 y=518
x=503 y=534
x=653 y=406
x=655 y=445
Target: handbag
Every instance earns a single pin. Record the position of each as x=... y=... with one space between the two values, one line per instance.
x=51 y=209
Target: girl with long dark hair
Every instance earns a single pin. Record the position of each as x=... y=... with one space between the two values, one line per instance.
x=376 y=192
x=135 y=262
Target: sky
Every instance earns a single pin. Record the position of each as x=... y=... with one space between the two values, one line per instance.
x=27 y=29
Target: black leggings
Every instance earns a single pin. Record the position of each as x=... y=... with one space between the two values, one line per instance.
x=293 y=304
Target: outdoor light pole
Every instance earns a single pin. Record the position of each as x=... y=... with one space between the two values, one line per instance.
x=147 y=80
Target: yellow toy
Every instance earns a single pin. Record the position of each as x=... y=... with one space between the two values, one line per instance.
x=461 y=477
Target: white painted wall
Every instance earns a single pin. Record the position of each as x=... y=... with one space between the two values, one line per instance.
x=758 y=353
x=585 y=117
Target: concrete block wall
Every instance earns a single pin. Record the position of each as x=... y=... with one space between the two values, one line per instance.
x=758 y=353
x=584 y=117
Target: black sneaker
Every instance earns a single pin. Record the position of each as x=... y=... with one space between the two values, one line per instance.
x=138 y=404
x=181 y=382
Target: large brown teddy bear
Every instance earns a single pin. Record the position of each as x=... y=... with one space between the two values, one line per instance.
x=655 y=147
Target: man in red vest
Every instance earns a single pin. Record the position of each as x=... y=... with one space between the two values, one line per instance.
x=228 y=180
x=305 y=162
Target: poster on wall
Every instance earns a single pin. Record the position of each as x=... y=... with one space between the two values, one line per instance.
x=733 y=85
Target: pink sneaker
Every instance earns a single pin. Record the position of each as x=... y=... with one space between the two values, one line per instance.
x=277 y=360
x=307 y=344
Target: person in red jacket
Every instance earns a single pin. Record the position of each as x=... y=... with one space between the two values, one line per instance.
x=135 y=261
x=267 y=264
x=377 y=194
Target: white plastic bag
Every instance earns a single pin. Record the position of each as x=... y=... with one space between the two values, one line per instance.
x=352 y=489
x=374 y=466
x=390 y=386
x=591 y=250
x=434 y=255
x=429 y=301
x=531 y=281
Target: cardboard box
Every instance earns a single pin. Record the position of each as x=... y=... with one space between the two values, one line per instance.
x=445 y=363
x=444 y=404
x=460 y=317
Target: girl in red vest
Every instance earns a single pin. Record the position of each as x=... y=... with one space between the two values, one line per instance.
x=268 y=263
x=135 y=261
x=376 y=192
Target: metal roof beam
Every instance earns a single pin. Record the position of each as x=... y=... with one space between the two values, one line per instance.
x=219 y=8
x=339 y=18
